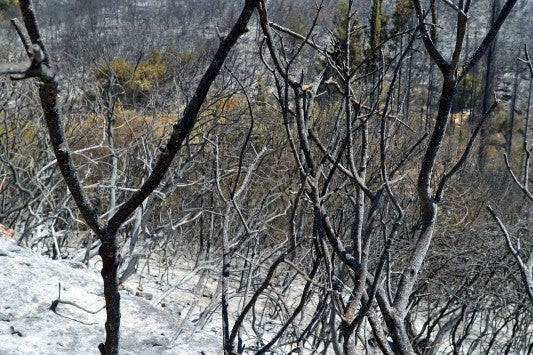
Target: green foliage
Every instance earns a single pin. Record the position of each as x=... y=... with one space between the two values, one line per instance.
x=402 y=13
x=378 y=22
x=502 y=119
x=120 y=68
x=357 y=40
x=339 y=20
x=359 y=45
x=262 y=94
x=133 y=76
x=6 y=4
x=467 y=91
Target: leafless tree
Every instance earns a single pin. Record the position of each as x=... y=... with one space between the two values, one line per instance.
x=321 y=199
x=40 y=68
x=524 y=258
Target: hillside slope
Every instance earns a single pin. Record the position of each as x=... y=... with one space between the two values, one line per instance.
x=29 y=285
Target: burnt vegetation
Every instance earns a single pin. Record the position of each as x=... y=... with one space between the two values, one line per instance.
x=341 y=177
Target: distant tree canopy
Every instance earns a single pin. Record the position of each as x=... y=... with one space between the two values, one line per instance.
x=378 y=23
x=357 y=41
x=402 y=13
x=6 y=5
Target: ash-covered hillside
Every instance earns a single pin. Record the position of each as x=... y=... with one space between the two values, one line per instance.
x=28 y=325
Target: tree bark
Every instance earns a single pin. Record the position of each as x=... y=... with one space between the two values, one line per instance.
x=108 y=253
x=49 y=94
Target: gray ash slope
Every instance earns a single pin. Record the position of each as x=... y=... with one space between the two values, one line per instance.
x=29 y=283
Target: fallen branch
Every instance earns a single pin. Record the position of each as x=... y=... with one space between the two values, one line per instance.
x=58 y=301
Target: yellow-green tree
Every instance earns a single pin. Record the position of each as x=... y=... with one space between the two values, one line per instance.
x=135 y=77
x=6 y=5
x=377 y=23
x=403 y=11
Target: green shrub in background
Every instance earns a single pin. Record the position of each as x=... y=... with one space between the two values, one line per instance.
x=6 y=5
x=403 y=12
x=468 y=93
x=134 y=77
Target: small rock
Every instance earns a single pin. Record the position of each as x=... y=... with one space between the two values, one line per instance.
x=14 y=248
x=146 y=295
x=6 y=317
x=15 y=332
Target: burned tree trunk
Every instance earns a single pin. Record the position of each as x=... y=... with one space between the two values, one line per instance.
x=106 y=232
